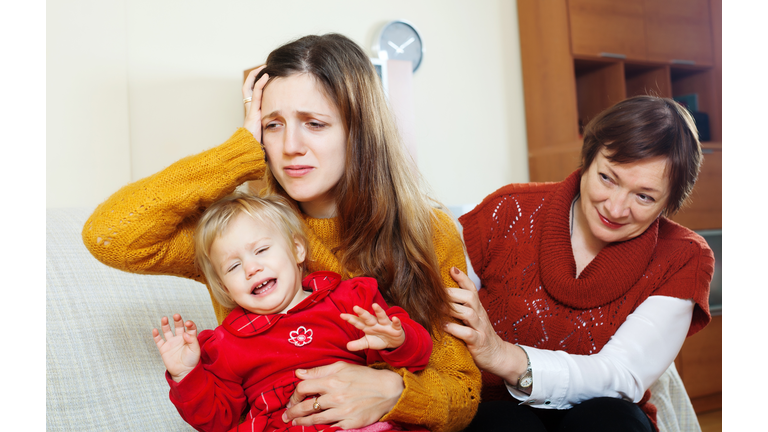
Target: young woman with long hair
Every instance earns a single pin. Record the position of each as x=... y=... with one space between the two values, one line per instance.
x=330 y=145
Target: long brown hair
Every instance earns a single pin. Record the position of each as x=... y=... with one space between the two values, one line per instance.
x=643 y=127
x=385 y=219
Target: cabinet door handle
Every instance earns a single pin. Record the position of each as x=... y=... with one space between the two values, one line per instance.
x=683 y=62
x=613 y=55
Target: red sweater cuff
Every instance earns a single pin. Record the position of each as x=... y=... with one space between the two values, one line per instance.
x=412 y=354
x=185 y=389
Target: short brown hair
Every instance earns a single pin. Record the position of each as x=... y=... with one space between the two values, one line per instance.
x=643 y=127
x=272 y=210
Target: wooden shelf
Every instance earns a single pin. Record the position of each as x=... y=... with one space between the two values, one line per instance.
x=642 y=79
x=599 y=85
x=706 y=202
x=580 y=57
x=568 y=79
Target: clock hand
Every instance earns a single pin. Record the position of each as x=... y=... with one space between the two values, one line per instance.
x=397 y=48
x=408 y=42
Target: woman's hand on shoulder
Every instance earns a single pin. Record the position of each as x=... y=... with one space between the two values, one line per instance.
x=253 y=89
x=488 y=350
x=350 y=396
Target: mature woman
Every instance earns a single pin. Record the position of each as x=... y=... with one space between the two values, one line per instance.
x=330 y=145
x=588 y=290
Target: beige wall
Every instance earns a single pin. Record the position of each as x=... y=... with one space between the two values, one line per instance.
x=132 y=86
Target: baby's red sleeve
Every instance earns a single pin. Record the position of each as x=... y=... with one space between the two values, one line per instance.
x=414 y=353
x=210 y=397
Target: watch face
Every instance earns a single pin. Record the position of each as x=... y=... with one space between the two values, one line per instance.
x=402 y=42
x=526 y=380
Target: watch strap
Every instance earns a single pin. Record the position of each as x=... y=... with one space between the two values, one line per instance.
x=528 y=371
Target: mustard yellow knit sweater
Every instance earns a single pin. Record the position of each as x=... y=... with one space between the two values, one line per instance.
x=147 y=226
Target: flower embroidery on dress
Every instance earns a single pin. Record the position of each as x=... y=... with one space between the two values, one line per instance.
x=301 y=336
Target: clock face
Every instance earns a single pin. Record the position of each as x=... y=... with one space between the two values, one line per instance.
x=402 y=42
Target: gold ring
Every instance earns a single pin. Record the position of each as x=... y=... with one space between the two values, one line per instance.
x=246 y=100
x=316 y=405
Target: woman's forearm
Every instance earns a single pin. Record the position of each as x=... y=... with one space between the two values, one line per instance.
x=640 y=351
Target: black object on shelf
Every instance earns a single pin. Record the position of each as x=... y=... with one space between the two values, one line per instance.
x=702 y=124
x=689 y=101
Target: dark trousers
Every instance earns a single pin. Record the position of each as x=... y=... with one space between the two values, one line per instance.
x=595 y=415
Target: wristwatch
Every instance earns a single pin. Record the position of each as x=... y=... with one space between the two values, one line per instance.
x=525 y=382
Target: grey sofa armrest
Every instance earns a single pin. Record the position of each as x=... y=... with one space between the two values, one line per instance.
x=103 y=371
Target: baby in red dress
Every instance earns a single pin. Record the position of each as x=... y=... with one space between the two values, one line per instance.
x=252 y=251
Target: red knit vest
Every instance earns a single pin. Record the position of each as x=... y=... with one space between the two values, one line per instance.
x=518 y=240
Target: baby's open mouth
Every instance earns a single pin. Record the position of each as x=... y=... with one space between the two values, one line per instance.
x=264 y=286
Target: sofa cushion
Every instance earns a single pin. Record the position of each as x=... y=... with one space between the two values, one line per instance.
x=675 y=412
x=103 y=369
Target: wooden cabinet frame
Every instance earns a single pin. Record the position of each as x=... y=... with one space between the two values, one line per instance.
x=566 y=82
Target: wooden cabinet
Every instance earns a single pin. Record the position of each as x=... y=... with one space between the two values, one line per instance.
x=700 y=365
x=567 y=78
x=580 y=57
x=705 y=208
x=679 y=31
x=608 y=27
x=599 y=85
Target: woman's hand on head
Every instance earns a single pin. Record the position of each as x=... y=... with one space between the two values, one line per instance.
x=350 y=396
x=253 y=89
x=488 y=350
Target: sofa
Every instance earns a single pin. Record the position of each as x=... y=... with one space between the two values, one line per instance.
x=103 y=371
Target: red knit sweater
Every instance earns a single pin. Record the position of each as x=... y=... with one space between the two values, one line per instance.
x=518 y=240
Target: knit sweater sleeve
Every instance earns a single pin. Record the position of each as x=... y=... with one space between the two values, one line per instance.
x=692 y=273
x=445 y=395
x=147 y=226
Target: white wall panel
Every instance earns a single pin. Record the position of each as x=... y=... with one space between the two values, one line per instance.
x=143 y=83
x=87 y=142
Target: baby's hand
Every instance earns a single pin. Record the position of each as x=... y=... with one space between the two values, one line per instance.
x=380 y=332
x=180 y=352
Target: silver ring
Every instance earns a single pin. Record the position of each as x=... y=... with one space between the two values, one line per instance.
x=246 y=100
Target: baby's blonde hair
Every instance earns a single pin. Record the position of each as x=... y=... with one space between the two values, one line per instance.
x=272 y=210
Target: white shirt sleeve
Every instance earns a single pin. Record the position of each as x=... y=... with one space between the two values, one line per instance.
x=634 y=358
x=472 y=275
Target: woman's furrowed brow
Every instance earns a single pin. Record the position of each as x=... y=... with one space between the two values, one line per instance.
x=273 y=114
x=311 y=114
x=301 y=113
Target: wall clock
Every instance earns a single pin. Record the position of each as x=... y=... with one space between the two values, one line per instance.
x=399 y=40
